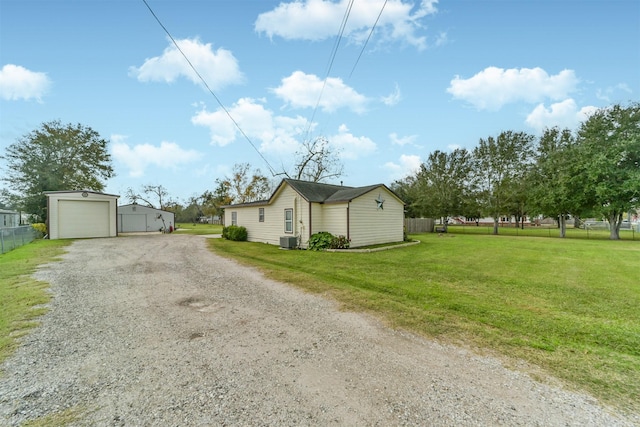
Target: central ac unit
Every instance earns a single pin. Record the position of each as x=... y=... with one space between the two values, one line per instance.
x=288 y=242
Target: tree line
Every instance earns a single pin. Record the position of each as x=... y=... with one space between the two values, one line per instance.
x=593 y=171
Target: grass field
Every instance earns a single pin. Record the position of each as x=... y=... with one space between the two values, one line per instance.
x=198 y=229
x=568 y=306
x=21 y=297
x=546 y=231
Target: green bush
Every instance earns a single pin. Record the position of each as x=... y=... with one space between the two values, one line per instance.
x=340 y=242
x=234 y=232
x=41 y=228
x=325 y=240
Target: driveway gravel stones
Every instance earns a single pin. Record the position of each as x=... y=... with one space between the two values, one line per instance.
x=155 y=330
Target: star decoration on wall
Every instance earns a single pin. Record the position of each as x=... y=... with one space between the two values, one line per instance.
x=379 y=202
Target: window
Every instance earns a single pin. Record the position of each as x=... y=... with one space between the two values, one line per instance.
x=261 y=214
x=234 y=218
x=288 y=220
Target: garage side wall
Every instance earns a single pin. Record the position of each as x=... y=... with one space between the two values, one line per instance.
x=72 y=215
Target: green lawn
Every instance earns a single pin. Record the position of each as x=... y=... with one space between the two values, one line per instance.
x=184 y=228
x=545 y=231
x=569 y=306
x=21 y=297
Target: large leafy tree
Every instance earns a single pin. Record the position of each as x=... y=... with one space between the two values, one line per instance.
x=608 y=157
x=499 y=166
x=554 y=190
x=442 y=183
x=52 y=158
x=244 y=185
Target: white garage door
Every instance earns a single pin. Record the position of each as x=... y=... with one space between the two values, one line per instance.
x=132 y=222
x=86 y=218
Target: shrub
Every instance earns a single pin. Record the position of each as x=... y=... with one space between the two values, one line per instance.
x=41 y=228
x=340 y=242
x=325 y=240
x=320 y=241
x=234 y=232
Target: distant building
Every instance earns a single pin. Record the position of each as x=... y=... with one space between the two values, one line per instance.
x=9 y=218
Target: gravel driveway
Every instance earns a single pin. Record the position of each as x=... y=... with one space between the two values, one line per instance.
x=155 y=330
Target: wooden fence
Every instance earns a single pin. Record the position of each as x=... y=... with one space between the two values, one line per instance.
x=419 y=225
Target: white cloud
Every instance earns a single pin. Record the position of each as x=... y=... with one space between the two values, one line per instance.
x=494 y=87
x=317 y=20
x=17 y=82
x=613 y=91
x=278 y=134
x=402 y=141
x=301 y=90
x=393 y=98
x=168 y=155
x=218 y=68
x=565 y=114
x=408 y=164
x=350 y=146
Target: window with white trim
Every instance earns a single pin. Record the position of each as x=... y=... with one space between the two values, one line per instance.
x=261 y=214
x=234 y=218
x=288 y=220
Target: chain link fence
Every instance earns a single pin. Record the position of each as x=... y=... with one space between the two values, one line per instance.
x=13 y=237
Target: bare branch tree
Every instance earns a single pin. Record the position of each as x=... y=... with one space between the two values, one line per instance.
x=316 y=161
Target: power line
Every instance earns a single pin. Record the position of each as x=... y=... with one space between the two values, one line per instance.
x=209 y=89
x=332 y=57
x=369 y=37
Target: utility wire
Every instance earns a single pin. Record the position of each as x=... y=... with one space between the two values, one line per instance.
x=332 y=57
x=369 y=37
x=209 y=89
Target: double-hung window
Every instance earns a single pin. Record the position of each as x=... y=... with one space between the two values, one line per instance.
x=288 y=220
x=234 y=218
x=261 y=214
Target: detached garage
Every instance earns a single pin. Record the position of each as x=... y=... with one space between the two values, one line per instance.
x=81 y=214
x=138 y=218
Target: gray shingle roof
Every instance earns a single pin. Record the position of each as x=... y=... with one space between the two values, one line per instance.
x=318 y=192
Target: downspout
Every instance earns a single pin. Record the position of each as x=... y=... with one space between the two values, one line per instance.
x=348 y=223
x=310 y=223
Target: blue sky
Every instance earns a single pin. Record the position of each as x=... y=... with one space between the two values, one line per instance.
x=434 y=75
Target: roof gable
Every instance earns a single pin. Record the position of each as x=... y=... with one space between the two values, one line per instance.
x=314 y=191
x=317 y=192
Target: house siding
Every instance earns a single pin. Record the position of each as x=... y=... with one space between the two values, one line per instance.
x=370 y=225
x=335 y=219
x=272 y=228
x=359 y=219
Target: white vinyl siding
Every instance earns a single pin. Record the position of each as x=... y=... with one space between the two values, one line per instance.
x=367 y=225
x=334 y=219
x=370 y=225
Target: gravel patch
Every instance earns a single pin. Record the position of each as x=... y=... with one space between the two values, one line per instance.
x=158 y=331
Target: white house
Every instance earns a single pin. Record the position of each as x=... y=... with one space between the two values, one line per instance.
x=297 y=209
x=138 y=218
x=81 y=214
x=9 y=218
